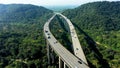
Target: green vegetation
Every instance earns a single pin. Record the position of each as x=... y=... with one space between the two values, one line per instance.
x=100 y=22
x=21 y=13
x=60 y=27
x=22 y=44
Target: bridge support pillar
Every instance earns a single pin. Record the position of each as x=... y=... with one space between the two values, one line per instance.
x=52 y=56
x=48 y=53
x=65 y=65
x=60 y=63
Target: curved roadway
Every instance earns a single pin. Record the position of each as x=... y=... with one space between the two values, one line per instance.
x=62 y=52
x=78 y=51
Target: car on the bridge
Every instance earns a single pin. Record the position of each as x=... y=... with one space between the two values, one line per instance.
x=77 y=49
x=48 y=34
x=46 y=31
x=80 y=62
x=48 y=37
x=55 y=42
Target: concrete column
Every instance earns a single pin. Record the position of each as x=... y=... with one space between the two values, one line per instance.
x=65 y=66
x=48 y=53
x=52 y=56
x=60 y=63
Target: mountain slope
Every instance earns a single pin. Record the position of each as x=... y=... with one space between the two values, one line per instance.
x=21 y=12
x=22 y=44
x=98 y=28
x=97 y=15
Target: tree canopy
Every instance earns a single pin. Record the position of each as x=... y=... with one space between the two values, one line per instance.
x=98 y=25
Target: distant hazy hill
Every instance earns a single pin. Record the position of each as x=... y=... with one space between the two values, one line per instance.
x=96 y=15
x=21 y=12
x=60 y=8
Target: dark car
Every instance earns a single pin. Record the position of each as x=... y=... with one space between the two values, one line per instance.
x=48 y=37
x=46 y=31
x=77 y=49
x=80 y=62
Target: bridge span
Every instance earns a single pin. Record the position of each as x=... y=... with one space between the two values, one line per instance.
x=78 y=51
x=66 y=59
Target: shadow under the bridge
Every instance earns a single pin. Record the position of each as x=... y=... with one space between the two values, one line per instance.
x=66 y=41
x=63 y=25
x=93 y=48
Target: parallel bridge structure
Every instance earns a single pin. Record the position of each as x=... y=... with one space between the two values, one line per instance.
x=66 y=58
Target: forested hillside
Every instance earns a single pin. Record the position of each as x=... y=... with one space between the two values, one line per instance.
x=22 y=44
x=98 y=25
x=99 y=15
x=21 y=12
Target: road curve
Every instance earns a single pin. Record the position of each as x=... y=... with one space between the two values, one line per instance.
x=78 y=51
x=62 y=52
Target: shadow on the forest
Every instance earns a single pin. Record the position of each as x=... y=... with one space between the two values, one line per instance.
x=93 y=48
x=64 y=35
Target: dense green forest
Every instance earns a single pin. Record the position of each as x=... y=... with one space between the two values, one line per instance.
x=21 y=12
x=98 y=26
x=22 y=44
